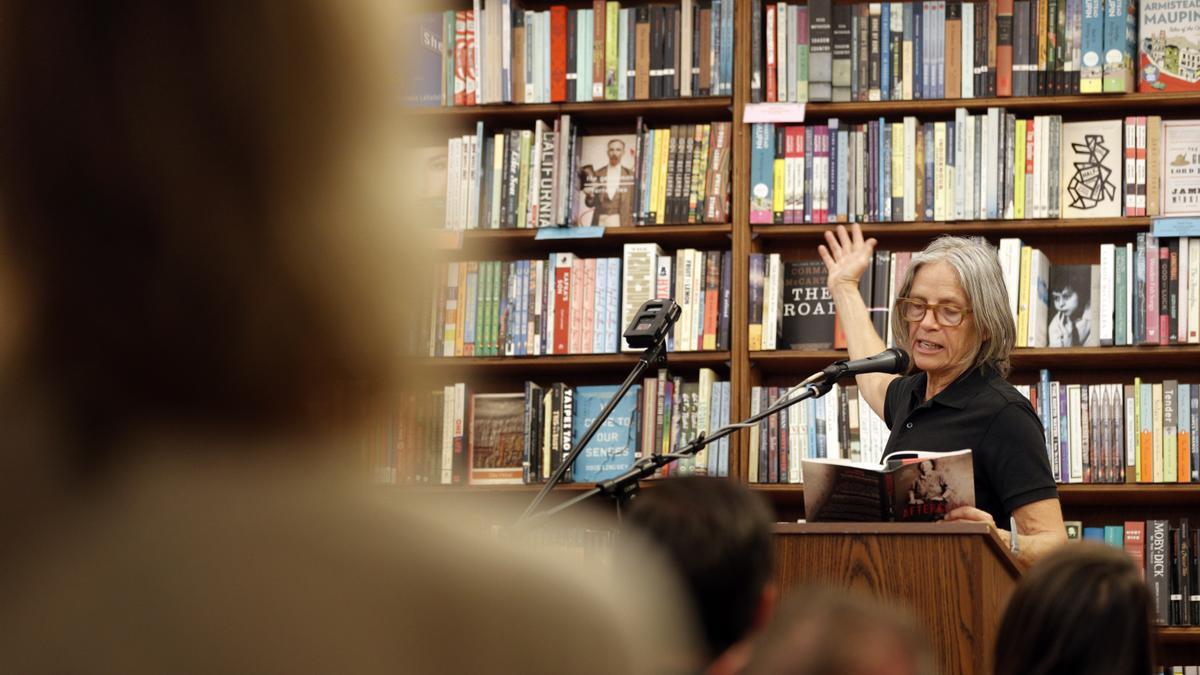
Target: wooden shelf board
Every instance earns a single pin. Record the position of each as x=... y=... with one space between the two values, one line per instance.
x=1022 y=358
x=1130 y=494
x=932 y=229
x=479 y=241
x=501 y=365
x=1110 y=103
x=717 y=106
x=1189 y=635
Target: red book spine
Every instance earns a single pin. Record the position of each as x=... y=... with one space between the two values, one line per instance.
x=558 y=53
x=790 y=156
x=1004 y=47
x=1135 y=542
x=771 y=85
x=562 y=305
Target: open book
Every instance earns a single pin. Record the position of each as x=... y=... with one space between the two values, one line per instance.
x=910 y=486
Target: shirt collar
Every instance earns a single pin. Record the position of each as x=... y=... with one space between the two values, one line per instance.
x=960 y=392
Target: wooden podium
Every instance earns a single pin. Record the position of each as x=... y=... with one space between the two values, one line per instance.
x=954 y=577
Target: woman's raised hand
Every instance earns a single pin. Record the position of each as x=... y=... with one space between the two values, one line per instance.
x=846 y=255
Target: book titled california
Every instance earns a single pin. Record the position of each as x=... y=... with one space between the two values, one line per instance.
x=611 y=450
x=908 y=487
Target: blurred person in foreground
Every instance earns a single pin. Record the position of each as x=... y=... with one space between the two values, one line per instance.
x=202 y=282
x=1083 y=610
x=716 y=534
x=952 y=315
x=829 y=631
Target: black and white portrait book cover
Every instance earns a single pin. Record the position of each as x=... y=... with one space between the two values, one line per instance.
x=1074 y=306
x=908 y=487
x=1090 y=172
x=606 y=174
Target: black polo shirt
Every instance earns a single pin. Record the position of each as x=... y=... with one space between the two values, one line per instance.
x=982 y=412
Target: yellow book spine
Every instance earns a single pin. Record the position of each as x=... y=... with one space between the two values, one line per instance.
x=660 y=169
x=1019 y=171
x=1023 y=298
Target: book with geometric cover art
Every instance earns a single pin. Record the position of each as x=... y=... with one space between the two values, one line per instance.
x=807 y=311
x=1169 y=45
x=909 y=487
x=497 y=441
x=611 y=450
x=1091 y=169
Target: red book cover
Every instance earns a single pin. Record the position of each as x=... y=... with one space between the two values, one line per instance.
x=712 y=303
x=771 y=85
x=558 y=53
x=1135 y=542
x=599 y=12
x=1004 y=47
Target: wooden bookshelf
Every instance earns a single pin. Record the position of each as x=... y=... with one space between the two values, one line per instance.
x=1024 y=358
x=616 y=365
x=1130 y=495
x=1103 y=104
x=699 y=108
x=487 y=243
x=1005 y=228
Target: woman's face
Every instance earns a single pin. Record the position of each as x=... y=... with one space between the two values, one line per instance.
x=944 y=352
x=1066 y=300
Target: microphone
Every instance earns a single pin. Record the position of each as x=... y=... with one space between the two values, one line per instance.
x=891 y=361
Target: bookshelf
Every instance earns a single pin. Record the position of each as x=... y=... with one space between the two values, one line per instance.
x=1064 y=241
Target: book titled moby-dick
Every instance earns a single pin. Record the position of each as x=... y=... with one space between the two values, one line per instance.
x=611 y=450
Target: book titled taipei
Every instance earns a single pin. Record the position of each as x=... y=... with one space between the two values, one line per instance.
x=908 y=487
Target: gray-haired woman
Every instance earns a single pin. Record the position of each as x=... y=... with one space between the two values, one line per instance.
x=952 y=315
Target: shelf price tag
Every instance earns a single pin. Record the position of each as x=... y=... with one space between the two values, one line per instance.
x=548 y=233
x=761 y=113
x=1176 y=227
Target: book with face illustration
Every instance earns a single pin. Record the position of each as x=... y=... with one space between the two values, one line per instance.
x=1074 y=306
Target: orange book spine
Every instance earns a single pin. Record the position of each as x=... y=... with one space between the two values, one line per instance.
x=558 y=53
x=1004 y=47
x=599 y=12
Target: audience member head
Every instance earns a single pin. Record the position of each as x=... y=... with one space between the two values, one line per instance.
x=1083 y=609
x=717 y=534
x=827 y=631
x=194 y=221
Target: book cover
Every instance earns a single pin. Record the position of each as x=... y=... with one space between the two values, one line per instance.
x=807 y=311
x=497 y=439
x=1169 y=45
x=1180 y=167
x=914 y=486
x=1158 y=567
x=606 y=181
x=611 y=450
x=1075 y=317
x=1091 y=169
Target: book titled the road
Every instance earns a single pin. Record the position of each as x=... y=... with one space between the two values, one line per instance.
x=908 y=487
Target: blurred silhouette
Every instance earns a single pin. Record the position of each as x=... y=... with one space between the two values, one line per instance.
x=828 y=631
x=717 y=535
x=1084 y=609
x=205 y=276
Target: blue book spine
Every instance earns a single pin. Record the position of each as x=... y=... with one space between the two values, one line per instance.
x=1094 y=533
x=918 y=50
x=1114 y=535
x=1044 y=412
x=809 y=157
x=813 y=443
x=939 y=35
x=613 y=344
x=611 y=450
x=1092 y=73
x=727 y=47
x=885 y=51
x=600 y=304
x=762 y=168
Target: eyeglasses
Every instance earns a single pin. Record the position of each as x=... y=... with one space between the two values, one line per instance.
x=946 y=315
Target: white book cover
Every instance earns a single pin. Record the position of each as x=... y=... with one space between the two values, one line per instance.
x=752 y=469
x=1107 y=289
x=683 y=295
x=698 y=299
x=1039 y=300
x=1181 y=167
x=1185 y=288
x=969 y=187
x=1194 y=292
x=1129 y=266
x=623 y=55
x=1074 y=419
x=687 y=7
x=704 y=415
x=910 y=169
x=968 y=53
x=1010 y=265
x=987 y=166
x=833 y=447
x=638 y=266
x=1090 y=173
x=1056 y=431
x=771 y=301
x=939 y=171
x=797 y=441
x=960 y=173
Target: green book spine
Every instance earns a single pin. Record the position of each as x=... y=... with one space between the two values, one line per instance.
x=1121 y=290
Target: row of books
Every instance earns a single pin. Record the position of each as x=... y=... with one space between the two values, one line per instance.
x=1113 y=433
x=1168 y=554
x=1140 y=432
x=975 y=167
x=457 y=436
x=839 y=425
x=947 y=49
x=1143 y=293
x=551 y=176
x=566 y=304
x=500 y=53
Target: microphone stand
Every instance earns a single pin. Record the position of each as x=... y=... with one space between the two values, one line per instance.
x=655 y=354
x=624 y=487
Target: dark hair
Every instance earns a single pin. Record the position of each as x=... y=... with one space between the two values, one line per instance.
x=178 y=210
x=827 y=631
x=1083 y=609
x=717 y=533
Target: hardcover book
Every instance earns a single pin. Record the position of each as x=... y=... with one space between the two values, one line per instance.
x=1091 y=169
x=806 y=312
x=605 y=180
x=909 y=487
x=611 y=450
x=497 y=441
x=1180 y=168
x=1074 y=306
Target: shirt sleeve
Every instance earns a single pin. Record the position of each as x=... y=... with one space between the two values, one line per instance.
x=1014 y=455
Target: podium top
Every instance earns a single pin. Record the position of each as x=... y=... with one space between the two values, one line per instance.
x=956 y=528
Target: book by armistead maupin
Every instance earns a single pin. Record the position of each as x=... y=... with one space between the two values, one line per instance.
x=908 y=487
x=1169 y=45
